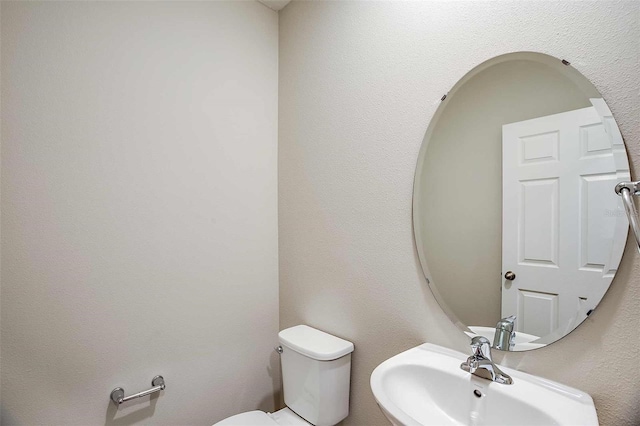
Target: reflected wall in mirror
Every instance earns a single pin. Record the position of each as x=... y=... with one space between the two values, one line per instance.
x=516 y=221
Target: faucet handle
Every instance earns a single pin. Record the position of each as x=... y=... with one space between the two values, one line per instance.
x=481 y=346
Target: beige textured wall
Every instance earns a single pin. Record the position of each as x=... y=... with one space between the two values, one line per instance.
x=359 y=82
x=460 y=196
x=139 y=212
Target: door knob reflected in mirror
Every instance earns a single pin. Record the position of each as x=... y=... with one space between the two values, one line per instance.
x=510 y=276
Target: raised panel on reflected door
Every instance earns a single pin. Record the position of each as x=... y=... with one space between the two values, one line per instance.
x=538 y=222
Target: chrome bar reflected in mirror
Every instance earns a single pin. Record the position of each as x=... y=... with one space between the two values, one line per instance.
x=626 y=190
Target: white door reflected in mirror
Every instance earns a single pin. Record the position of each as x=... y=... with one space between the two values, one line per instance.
x=568 y=154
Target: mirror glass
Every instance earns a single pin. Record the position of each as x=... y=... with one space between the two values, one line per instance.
x=516 y=221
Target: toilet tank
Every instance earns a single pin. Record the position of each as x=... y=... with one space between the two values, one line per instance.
x=316 y=372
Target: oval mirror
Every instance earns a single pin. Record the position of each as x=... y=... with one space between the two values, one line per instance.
x=517 y=225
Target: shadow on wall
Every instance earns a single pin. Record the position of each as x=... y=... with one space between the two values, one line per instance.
x=275 y=401
x=139 y=415
x=6 y=418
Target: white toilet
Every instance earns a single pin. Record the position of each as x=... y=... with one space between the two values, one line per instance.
x=316 y=370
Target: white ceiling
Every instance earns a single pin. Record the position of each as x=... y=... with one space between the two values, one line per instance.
x=275 y=4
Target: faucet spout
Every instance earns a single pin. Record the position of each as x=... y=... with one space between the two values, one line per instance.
x=504 y=336
x=481 y=365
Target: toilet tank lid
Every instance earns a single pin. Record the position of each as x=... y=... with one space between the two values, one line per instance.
x=314 y=343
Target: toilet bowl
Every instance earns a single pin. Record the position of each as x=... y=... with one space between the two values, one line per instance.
x=284 y=417
x=316 y=371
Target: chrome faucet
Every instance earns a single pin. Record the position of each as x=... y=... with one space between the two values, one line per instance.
x=504 y=336
x=480 y=363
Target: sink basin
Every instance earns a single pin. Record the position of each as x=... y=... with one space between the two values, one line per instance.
x=425 y=386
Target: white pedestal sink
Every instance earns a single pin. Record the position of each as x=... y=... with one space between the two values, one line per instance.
x=425 y=386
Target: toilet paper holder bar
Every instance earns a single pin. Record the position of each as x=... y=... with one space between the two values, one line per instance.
x=117 y=395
